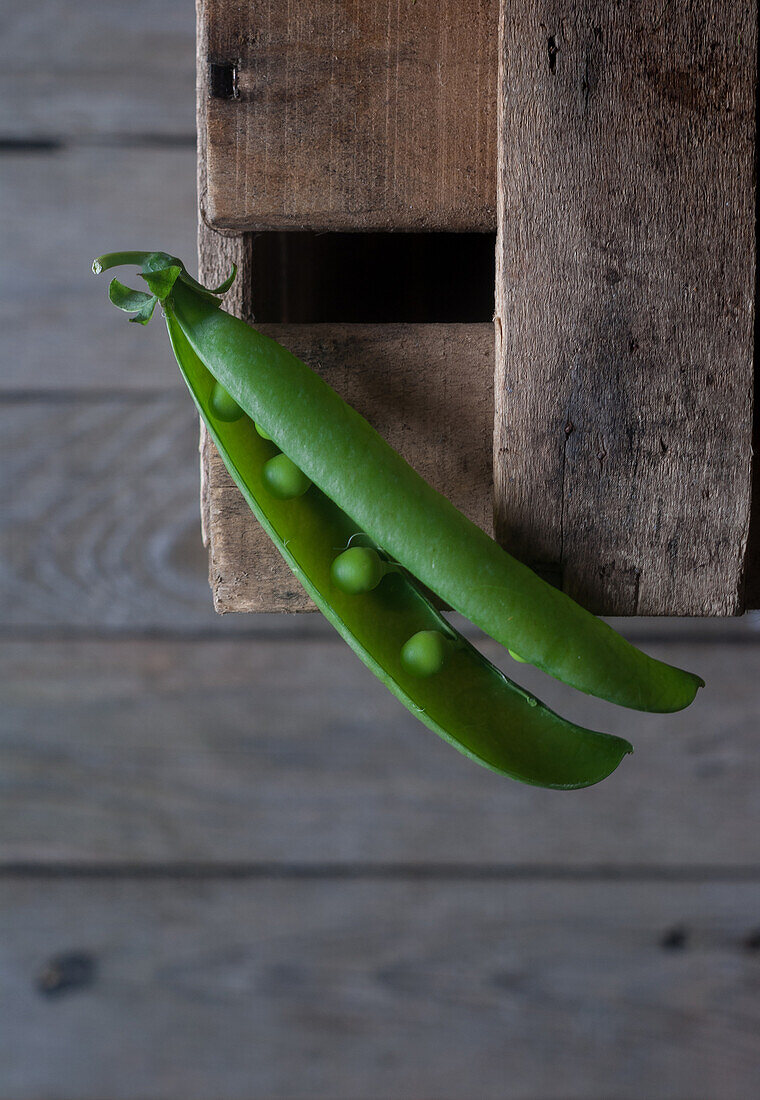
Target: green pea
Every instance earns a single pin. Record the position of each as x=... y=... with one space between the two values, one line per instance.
x=283 y=479
x=223 y=405
x=516 y=657
x=358 y=569
x=425 y=652
x=262 y=433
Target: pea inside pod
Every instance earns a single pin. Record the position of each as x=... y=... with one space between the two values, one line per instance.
x=223 y=405
x=425 y=653
x=283 y=479
x=358 y=569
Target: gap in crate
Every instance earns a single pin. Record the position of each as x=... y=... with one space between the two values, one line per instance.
x=373 y=278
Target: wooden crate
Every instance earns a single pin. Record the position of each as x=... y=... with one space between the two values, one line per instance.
x=611 y=148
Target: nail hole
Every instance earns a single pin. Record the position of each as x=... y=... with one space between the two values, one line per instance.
x=675 y=939
x=66 y=972
x=222 y=80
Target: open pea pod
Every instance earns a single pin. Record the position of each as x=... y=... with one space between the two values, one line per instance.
x=471 y=704
x=342 y=454
x=361 y=483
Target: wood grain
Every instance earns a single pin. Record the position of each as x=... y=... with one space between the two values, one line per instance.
x=352 y=990
x=287 y=751
x=428 y=391
x=86 y=70
x=217 y=253
x=467 y=965
x=216 y=256
x=625 y=289
x=58 y=331
x=99 y=527
x=350 y=115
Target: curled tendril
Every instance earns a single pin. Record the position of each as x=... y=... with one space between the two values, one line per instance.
x=160 y=271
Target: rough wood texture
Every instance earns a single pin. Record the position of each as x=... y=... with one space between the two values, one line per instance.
x=625 y=292
x=426 y=388
x=464 y=967
x=342 y=114
x=216 y=255
x=338 y=990
x=287 y=751
x=421 y=386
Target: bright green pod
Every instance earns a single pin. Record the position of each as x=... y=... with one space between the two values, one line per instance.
x=432 y=542
x=473 y=706
x=347 y=459
x=476 y=708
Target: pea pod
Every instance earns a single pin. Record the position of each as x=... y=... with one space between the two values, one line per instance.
x=342 y=454
x=357 y=475
x=446 y=683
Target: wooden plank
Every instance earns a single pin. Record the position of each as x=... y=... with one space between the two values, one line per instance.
x=89 y=68
x=290 y=752
x=625 y=292
x=339 y=115
x=99 y=527
x=752 y=563
x=216 y=255
x=60 y=210
x=426 y=388
x=347 y=990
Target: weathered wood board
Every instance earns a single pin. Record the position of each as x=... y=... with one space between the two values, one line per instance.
x=287 y=752
x=341 y=114
x=625 y=290
x=426 y=388
x=393 y=920
x=354 y=990
x=88 y=70
x=58 y=330
x=99 y=526
x=99 y=529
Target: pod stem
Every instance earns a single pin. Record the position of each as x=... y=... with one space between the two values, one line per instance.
x=119 y=259
x=154 y=263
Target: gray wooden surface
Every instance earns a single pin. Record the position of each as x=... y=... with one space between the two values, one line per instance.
x=342 y=989
x=231 y=865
